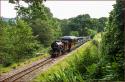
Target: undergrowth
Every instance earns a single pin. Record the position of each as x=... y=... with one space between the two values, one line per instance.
x=20 y=64
x=78 y=67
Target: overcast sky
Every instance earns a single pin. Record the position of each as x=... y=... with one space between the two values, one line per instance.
x=67 y=9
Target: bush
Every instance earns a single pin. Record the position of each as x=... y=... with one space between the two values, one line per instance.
x=76 y=68
x=17 y=43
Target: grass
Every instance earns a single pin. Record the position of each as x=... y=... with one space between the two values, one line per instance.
x=43 y=52
x=65 y=70
x=21 y=64
x=98 y=37
x=78 y=67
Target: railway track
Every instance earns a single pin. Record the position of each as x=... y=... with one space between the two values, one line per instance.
x=26 y=71
x=22 y=73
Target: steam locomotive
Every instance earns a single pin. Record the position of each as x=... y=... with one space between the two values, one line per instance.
x=66 y=44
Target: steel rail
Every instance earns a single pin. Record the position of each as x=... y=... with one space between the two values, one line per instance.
x=30 y=69
x=26 y=71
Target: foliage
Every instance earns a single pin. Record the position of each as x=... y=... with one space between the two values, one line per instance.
x=44 y=32
x=22 y=40
x=18 y=43
x=102 y=24
x=83 y=24
x=27 y=1
x=24 y=63
x=99 y=24
x=19 y=39
x=74 y=33
x=112 y=48
x=77 y=67
x=100 y=60
x=41 y=21
x=91 y=32
x=3 y=42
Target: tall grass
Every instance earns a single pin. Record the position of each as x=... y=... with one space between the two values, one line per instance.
x=21 y=64
x=78 y=67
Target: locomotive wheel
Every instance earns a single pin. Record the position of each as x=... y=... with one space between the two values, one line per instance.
x=60 y=53
x=52 y=56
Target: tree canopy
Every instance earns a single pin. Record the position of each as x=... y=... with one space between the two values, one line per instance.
x=113 y=41
x=82 y=24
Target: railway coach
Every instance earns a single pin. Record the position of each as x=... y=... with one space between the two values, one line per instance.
x=66 y=44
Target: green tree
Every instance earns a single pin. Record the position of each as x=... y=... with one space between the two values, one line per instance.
x=74 y=33
x=3 y=42
x=41 y=20
x=43 y=31
x=21 y=40
x=65 y=29
x=27 y=1
x=102 y=24
x=113 y=41
x=83 y=24
x=16 y=42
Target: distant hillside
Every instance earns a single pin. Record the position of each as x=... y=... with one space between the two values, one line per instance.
x=7 y=19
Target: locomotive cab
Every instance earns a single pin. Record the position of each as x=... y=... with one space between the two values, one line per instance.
x=69 y=42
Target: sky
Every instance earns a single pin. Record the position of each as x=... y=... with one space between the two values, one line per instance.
x=66 y=9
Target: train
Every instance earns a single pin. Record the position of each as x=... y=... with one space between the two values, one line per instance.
x=66 y=44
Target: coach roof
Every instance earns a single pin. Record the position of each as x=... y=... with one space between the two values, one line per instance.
x=69 y=37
